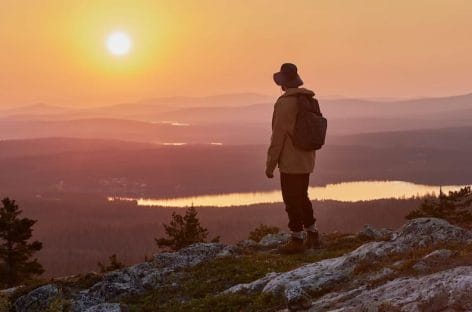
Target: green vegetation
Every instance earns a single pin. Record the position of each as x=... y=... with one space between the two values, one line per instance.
x=262 y=230
x=183 y=231
x=5 y=304
x=455 y=207
x=16 y=265
x=199 y=287
x=58 y=304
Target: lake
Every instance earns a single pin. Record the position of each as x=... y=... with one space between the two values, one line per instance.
x=347 y=191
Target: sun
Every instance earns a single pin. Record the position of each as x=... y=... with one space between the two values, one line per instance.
x=119 y=43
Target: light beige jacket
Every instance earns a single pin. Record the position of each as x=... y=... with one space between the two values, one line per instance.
x=289 y=158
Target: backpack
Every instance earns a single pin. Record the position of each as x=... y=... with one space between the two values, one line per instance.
x=310 y=128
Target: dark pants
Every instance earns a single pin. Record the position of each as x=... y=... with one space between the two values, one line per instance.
x=297 y=203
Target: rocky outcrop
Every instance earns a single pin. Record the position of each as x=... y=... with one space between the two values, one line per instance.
x=38 y=299
x=270 y=241
x=371 y=233
x=300 y=284
x=128 y=281
x=369 y=278
x=106 y=307
x=273 y=240
x=434 y=258
x=443 y=291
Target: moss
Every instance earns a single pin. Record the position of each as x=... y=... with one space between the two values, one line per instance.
x=198 y=288
x=27 y=288
x=5 y=304
x=221 y=303
x=58 y=304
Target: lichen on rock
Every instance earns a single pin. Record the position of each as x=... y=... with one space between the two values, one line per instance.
x=325 y=274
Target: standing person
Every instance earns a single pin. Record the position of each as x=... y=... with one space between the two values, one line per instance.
x=295 y=165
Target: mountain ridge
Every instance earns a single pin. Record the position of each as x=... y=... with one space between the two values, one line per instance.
x=375 y=269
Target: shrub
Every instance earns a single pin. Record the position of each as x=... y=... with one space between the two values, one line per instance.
x=5 y=304
x=262 y=230
x=455 y=207
x=183 y=231
x=114 y=264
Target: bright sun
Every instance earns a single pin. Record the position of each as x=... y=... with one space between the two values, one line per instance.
x=119 y=43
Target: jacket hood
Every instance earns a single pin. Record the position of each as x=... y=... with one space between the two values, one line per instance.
x=297 y=91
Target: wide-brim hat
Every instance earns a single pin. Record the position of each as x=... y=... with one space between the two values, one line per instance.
x=288 y=76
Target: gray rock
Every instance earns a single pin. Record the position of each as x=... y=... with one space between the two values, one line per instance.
x=141 y=277
x=381 y=274
x=434 y=258
x=374 y=234
x=106 y=307
x=37 y=299
x=229 y=251
x=439 y=256
x=189 y=256
x=9 y=291
x=115 y=285
x=435 y=292
x=253 y=287
x=274 y=240
x=248 y=244
x=155 y=278
x=297 y=299
x=145 y=276
x=322 y=275
x=82 y=301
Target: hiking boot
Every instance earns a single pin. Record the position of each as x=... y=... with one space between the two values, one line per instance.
x=293 y=246
x=312 y=240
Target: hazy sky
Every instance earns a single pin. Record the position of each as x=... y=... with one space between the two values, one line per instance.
x=54 y=50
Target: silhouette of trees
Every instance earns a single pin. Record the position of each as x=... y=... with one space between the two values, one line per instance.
x=262 y=230
x=183 y=231
x=16 y=265
x=114 y=264
x=455 y=207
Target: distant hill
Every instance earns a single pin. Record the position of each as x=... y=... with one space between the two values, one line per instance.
x=258 y=108
x=39 y=108
x=249 y=107
x=356 y=108
x=150 y=170
x=49 y=146
x=459 y=139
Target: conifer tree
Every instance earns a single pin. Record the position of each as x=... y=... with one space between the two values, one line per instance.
x=183 y=231
x=16 y=263
x=114 y=264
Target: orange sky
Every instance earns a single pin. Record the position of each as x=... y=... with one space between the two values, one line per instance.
x=54 y=50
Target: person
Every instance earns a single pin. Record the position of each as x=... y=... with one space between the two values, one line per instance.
x=295 y=165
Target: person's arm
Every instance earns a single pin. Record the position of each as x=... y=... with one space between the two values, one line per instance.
x=279 y=133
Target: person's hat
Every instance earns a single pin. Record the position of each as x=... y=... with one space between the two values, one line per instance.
x=288 y=76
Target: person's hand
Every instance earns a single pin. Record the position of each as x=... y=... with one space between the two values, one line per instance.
x=269 y=174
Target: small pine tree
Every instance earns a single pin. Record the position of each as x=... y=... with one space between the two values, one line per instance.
x=262 y=230
x=183 y=231
x=114 y=264
x=16 y=265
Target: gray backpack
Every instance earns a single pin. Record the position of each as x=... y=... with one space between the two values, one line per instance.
x=310 y=128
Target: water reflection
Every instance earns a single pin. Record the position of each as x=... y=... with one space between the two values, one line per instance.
x=348 y=191
x=174 y=143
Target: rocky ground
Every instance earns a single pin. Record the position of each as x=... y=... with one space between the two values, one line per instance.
x=424 y=266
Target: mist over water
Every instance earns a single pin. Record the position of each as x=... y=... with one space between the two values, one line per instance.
x=347 y=191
